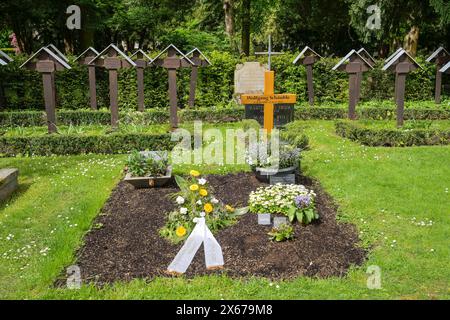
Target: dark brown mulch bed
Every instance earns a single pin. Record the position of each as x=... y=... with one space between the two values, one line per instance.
x=128 y=245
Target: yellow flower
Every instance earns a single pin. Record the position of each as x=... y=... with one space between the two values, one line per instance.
x=194 y=187
x=208 y=208
x=194 y=173
x=229 y=208
x=203 y=192
x=181 y=231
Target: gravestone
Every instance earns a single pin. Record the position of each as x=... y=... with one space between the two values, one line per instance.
x=401 y=64
x=440 y=57
x=283 y=179
x=175 y=60
x=279 y=221
x=47 y=63
x=113 y=59
x=249 y=78
x=85 y=58
x=142 y=61
x=354 y=65
x=264 y=219
x=199 y=60
x=308 y=57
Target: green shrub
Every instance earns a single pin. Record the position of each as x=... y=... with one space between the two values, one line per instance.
x=391 y=137
x=65 y=144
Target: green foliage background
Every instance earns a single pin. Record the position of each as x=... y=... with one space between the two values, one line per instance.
x=23 y=88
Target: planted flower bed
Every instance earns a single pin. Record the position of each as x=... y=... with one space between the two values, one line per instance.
x=140 y=236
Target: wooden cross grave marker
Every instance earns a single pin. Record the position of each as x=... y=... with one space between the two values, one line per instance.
x=353 y=64
x=85 y=58
x=196 y=57
x=308 y=57
x=4 y=60
x=175 y=59
x=47 y=62
x=142 y=61
x=401 y=64
x=440 y=57
x=269 y=98
x=113 y=59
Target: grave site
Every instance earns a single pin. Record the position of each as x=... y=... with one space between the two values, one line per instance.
x=180 y=163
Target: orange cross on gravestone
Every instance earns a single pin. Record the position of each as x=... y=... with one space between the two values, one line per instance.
x=269 y=98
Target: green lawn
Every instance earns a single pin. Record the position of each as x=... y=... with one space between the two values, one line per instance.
x=386 y=192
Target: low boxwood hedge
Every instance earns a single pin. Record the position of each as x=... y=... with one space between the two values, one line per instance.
x=215 y=115
x=391 y=137
x=59 y=144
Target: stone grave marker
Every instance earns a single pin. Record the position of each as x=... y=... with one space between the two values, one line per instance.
x=249 y=78
x=85 y=58
x=199 y=60
x=354 y=65
x=264 y=219
x=401 y=64
x=142 y=61
x=8 y=182
x=283 y=179
x=113 y=59
x=308 y=57
x=440 y=57
x=47 y=63
x=175 y=60
x=279 y=221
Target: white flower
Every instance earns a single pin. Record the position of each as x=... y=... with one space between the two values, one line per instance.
x=180 y=200
x=201 y=181
x=214 y=201
x=199 y=202
x=183 y=210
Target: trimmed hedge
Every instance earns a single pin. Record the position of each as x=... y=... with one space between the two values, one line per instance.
x=57 y=144
x=156 y=116
x=391 y=137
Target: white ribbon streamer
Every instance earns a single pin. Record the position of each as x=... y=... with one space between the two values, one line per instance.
x=213 y=251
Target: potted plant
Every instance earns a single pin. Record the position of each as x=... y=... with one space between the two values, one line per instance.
x=264 y=165
x=148 y=169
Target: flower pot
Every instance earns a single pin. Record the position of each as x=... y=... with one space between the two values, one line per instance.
x=149 y=182
x=264 y=174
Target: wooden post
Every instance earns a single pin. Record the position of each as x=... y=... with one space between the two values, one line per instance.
x=47 y=68
x=112 y=64
x=359 y=77
x=173 y=98
x=140 y=66
x=353 y=84
x=437 y=94
x=310 y=83
x=92 y=87
x=401 y=82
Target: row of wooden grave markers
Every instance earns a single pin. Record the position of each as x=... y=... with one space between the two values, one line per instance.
x=49 y=59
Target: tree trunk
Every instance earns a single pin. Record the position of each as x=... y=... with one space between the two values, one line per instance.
x=411 y=41
x=246 y=22
x=229 y=17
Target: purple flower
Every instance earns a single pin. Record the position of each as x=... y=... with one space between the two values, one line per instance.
x=302 y=201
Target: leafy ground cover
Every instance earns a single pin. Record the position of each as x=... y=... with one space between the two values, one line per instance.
x=398 y=198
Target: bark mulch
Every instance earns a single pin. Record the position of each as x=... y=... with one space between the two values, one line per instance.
x=128 y=245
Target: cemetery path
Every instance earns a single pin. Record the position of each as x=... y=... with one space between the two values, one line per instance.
x=127 y=245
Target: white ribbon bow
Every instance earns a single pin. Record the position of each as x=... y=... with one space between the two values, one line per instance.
x=213 y=251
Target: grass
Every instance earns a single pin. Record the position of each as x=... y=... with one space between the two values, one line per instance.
x=385 y=192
